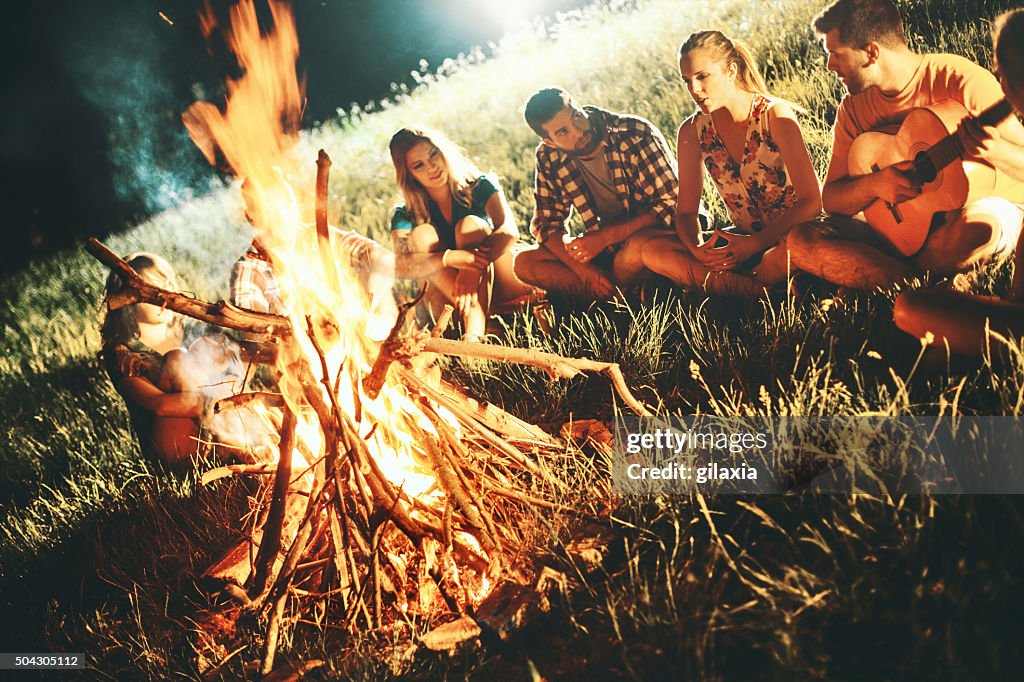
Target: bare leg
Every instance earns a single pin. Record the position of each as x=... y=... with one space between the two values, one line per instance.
x=957 y=319
x=774 y=266
x=668 y=256
x=541 y=268
x=974 y=234
x=629 y=267
x=507 y=286
x=424 y=239
x=175 y=439
x=841 y=252
x=469 y=233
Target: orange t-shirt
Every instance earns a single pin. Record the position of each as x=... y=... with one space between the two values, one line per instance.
x=939 y=77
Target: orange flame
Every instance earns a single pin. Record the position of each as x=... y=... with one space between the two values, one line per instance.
x=256 y=133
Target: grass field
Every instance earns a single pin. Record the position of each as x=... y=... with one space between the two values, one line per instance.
x=98 y=553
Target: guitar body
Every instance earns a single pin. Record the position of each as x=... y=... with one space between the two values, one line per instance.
x=906 y=225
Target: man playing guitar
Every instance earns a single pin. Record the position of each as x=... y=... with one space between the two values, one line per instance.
x=885 y=81
x=963 y=322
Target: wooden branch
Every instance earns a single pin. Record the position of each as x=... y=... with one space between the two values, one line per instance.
x=222 y=313
x=555 y=365
x=443 y=320
x=241 y=400
x=387 y=355
x=270 y=547
x=470 y=422
x=323 y=233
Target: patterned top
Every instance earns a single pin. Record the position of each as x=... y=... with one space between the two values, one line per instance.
x=484 y=188
x=643 y=171
x=132 y=359
x=758 y=189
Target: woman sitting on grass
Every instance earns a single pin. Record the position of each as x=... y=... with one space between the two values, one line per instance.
x=456 y=229
x=751 y=145
x=946 y=317
x=159 y=380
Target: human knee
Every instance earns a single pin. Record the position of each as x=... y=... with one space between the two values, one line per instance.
x=803 y=240
x=903 y=309
x=471 y=230
x=911 y=309
x=527 y=264
x=174 y=373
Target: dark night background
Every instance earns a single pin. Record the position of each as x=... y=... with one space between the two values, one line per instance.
x=91 y=137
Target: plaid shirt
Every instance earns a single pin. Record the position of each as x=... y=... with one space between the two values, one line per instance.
x=253 y=284
x=643 y=170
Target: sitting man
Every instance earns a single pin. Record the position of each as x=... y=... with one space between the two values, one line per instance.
x=618 y=174
x=885 y=80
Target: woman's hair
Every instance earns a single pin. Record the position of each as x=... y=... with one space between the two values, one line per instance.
x=1008 y=44
x=462 y=173
x=122 y=325
x=731 y=52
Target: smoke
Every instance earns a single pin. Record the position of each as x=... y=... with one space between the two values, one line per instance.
x=127 y=61
x=213 y=366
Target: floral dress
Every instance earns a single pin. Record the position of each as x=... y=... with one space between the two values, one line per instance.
x=758 y=188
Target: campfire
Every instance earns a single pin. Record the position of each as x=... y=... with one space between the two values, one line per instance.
x=390 y=496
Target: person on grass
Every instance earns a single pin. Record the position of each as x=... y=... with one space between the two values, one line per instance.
x=955 y=319
x=455 y=230
x=751 y=145
x=885 y=80
x=164 y=385
x=616 y=172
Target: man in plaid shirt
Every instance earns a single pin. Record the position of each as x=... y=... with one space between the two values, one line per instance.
x=617 y=173
x=253 y=284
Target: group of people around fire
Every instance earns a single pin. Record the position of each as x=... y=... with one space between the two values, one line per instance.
x=642 y=213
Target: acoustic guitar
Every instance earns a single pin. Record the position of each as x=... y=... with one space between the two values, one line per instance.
x=928 y=138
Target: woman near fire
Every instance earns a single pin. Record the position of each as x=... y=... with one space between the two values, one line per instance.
x=945 y=317
x=456 y=229
x=751 y=145
x=160 y=381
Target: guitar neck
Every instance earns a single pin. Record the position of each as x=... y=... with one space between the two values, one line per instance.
x=951 y=148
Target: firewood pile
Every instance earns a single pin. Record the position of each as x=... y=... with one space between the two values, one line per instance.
x=340 y=536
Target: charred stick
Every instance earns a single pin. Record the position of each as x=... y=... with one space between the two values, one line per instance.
x=387 y=355
x=485 y=433
x=381 y=487
x=270 y=547
x=497 y=419
x=323 y=234
x=450 y=451
x=443 y=320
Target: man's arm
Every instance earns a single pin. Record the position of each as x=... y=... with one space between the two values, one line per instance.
x=849 y=195
x=657 y=177
x=551 y=207
x=588 y=246
x=1002 y=146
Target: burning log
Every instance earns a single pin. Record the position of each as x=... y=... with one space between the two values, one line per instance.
x=392 y=498
x=335 y=520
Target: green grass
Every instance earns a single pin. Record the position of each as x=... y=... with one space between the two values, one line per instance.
x=99 y=553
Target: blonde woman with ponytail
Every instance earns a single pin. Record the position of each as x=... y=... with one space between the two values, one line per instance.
x=751 y=145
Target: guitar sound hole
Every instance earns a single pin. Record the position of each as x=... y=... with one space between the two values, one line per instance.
x=924 y=168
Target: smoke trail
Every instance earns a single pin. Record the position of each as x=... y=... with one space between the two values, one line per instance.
x=124 y=61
